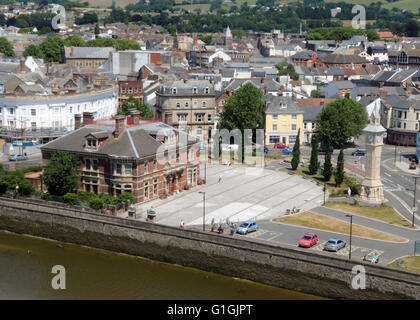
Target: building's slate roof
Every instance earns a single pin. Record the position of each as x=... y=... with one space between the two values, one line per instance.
x=88 y=52
x=311 y=113
x=273 y=105
x=133 y=142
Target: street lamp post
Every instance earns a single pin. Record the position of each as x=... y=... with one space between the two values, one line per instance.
x=204 y=209
x=351 y=224
x=414 y=200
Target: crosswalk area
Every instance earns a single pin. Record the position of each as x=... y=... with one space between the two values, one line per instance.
x=354 y=250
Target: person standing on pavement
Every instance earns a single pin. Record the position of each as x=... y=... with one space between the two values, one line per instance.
x=349 y=192
x=220 y=179
x=182 y=224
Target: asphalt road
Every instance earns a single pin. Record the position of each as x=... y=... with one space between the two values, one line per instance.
x=399 y=190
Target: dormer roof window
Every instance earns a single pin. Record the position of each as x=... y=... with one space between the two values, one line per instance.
x=283 y=105
x=174 y=91
x=95 y=140
x=195 y=90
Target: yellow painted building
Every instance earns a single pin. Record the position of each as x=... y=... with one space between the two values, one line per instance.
x=282 y=119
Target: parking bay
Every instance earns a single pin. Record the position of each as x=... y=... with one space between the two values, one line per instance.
x=357 y=251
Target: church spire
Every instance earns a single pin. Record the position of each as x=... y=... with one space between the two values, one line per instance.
x=228 y=33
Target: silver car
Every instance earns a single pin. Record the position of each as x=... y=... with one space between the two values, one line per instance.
x=334 y=244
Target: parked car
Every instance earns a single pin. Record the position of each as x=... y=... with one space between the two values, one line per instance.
x=334 y=244
x=247 y=227
x=280 y=145
x=308 y=240
x=17 y=157
x=287 y=151
x=359 y=152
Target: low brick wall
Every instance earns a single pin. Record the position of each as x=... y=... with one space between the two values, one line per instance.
x=279 y=265
x=342 y=200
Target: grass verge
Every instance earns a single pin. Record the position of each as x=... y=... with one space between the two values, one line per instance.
x=408 y=264
x=318 y=221
x=384 y=213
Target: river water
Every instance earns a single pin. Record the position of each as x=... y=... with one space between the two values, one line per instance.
x=26 y=263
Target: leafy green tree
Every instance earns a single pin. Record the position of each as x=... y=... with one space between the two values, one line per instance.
x=33 y=51
x=327 y=163
x=316 y=94
x=53 y=49
x=314 y=164
x=296 y=152
x=339 y=173
x=97 y=31
x=340 y=120
x=60 y=174
x=87 y=18
x=74 y=41
x=244 y=110
x=206 y=39
x=6 y=48
x=133 y=103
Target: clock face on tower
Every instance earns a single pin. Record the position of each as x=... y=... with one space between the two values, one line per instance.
x=378 y=139
x=370 y=139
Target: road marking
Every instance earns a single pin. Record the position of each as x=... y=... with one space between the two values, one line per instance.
x=261 y=232
x=346 y=249
x=388 y=174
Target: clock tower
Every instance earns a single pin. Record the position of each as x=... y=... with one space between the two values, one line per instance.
x=372 y=188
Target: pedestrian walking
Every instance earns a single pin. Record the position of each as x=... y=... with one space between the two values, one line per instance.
x=220 y=179
x=349 y=192
x=182 y=224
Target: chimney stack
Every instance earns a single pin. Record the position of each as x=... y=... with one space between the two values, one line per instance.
x=135 y=116
x=265 y=90
x=72 y=52
x=87 y=117
x=22 y=64
x=119 y=125
x=77 y=121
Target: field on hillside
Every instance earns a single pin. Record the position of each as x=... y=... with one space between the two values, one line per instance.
x=412 y=5
x=108 y=3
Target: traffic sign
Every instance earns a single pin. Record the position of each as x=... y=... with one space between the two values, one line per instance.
x=416 y=247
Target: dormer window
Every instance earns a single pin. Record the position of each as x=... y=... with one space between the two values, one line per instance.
x=174 y=91
x=283 y=105
x=207 y=90
x=92 y=143
x=195 y=90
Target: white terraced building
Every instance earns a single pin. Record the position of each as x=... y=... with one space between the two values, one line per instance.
x=54 y=112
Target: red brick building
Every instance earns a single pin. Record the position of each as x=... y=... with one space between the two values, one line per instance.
x=144 y=157
x=127 y=88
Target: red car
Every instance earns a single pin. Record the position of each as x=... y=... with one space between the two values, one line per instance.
x=280 y=145
x=308 y=240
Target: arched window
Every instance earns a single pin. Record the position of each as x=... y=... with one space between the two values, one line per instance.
x=178 y=105
x=204 y=104
x=187 y=104
x=195 y=90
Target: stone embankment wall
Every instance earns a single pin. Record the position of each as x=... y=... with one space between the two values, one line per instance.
x=279 y=265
